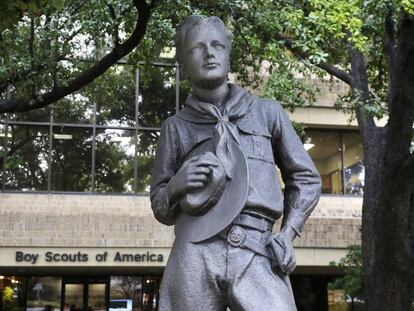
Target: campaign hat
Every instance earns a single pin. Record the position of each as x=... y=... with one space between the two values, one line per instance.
x=199 y=201
x=221 y=207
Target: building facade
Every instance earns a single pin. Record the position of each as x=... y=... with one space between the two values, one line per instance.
x=77 y=229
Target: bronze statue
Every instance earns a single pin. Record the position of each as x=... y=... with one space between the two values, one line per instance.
x=215 y=180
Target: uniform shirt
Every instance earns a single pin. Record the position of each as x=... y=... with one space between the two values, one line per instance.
x=267 y=138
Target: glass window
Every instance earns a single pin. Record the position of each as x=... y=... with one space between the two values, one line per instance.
x=76 y=108
x=150 y=293
x=27 y=158
x=73 y=300
x=324 y=147
x=12 y=293
x=37 y=115
x=114 y=95
x=114 y=161
x=96 y=297
x=125 y=293
x=147 y=145
x=44 y=293
x=2 y=151
x=157 y=89
x=353 y=163
x=71 y=159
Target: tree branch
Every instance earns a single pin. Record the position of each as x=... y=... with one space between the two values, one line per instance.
x=77 y=9
x=360 y=87
x=20 y=75
x=329 y=68
x=87 y=76
x=401 y=103
x=36 y=68
x=405 y=66
x=31 y=51
x=15 y=147
x=389 y=45
x=390 y=50
x=113 y=16
x=126 y=10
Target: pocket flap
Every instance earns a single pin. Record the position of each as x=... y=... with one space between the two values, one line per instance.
x=253 y=130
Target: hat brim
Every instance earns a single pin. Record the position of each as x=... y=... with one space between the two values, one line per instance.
x=199 y=228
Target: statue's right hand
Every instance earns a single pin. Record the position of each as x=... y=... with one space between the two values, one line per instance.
x=193 y=174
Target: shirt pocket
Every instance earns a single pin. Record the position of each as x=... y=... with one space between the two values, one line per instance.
x=256 y=142
x=196 y=144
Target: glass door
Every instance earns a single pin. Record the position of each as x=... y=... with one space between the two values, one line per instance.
x=73 y=299
x=85 y=295
x=97 y=297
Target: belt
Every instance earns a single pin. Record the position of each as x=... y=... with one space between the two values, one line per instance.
x=248 y=221
x=238 y=236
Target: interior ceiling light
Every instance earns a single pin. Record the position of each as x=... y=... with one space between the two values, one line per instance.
x=308 y=146
x=62 y=136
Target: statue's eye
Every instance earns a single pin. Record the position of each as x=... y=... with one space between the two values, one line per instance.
x=196 y=48
x=218 y=45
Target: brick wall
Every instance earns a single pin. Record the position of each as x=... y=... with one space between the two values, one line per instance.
x=73 y=220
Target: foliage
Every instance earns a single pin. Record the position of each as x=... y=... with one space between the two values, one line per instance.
x=113 y=95
x=289 y=90
x=7 y=297
x=352 y=281
x=349 y=102
x=300 y=130
x=354 y=41
x=11 y=11
x=55 y=53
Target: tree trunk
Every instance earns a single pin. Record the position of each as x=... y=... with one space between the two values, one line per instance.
x=387 y=230
x=386 y=242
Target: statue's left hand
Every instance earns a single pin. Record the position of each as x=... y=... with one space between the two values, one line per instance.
x=281 y=245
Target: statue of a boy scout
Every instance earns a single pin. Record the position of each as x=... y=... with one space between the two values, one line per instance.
x=215 y=180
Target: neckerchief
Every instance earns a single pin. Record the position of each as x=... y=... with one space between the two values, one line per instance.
x=226 y=135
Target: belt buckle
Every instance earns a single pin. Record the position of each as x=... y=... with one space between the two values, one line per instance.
x=236 y=237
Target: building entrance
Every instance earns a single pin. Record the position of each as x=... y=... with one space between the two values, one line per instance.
x=81 y=293
x=85 y=294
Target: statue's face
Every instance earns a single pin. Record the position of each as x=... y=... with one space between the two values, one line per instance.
x=206 y=56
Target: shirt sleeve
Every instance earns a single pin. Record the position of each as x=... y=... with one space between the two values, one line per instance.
x=302 y=180
x=165 y=167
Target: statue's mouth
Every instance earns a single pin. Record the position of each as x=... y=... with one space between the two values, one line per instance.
x=211 y=65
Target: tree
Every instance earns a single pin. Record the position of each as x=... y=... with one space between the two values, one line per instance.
x=113 y=95
x=352 y=281
x=41 y=63
x=366 y=44
x=12 y=11
x=369 y=46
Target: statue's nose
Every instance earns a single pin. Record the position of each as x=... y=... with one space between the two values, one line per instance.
x=209 y=52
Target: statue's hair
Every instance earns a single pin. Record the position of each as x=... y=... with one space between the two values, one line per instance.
x=196 y=20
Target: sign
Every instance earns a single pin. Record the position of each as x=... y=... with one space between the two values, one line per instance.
x=55 y=256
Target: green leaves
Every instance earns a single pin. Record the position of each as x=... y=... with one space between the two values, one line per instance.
x=11 y=11
x=269 y=37
x=338 y=19
x=352 y=282
x=376 y=107
x=408 y=6
x=291 y=91
x=58 y=4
